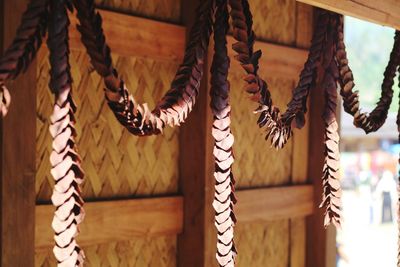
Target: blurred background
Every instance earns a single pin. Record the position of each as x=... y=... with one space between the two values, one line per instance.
x=369 y=163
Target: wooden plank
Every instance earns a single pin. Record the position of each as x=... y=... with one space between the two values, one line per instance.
x=195 y=245
x=129 y=35
x=140 y=37
x=384 y=12
x=274 y=203
x=18 y=155
x=304 y=25
x=317 y=236
x=304 y=31
x=277 y=60
x=109 y=221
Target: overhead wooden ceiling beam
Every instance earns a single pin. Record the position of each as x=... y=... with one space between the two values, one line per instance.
x=383 y=12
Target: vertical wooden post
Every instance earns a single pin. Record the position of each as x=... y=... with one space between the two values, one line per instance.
x=320 y=241
x=304 y=31
x=195 y=245
x=18 y=132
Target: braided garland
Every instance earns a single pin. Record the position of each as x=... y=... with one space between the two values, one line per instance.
x=24 y=47
x=331 y=184
x=369 y=122
x=278 y=127
x=224 y=199
x=64 y=159
x=177 y=103
x=398 y=186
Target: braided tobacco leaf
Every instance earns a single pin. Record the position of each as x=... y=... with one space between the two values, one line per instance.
x=24 y=47
x=331 y=184
x=278 y=127
x=398 y=186
x=177 y=103
x=64 y=158
x=369 y=122
x=224 y=199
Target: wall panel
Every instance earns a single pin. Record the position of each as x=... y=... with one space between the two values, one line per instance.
x=141 y=252
x=116 y=163
x=275 y=20
x=263 y=244
x=258 y=164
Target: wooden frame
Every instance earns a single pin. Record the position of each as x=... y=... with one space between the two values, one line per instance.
x=384 y=12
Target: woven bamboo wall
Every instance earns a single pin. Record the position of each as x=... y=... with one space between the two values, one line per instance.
x=110 y=154
x=254 y=166
x=138 y=252
x=263 y=244
x=275 y=20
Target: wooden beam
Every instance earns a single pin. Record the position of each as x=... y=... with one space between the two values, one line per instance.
x=109 y=221
x=17 y=155
x=304 y=31
x=318 y=242
x=140 y=37
x=128 y=35
x=277 y=60
x=270 y=204
x=384 y=12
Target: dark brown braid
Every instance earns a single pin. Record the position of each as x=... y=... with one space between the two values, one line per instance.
x=398 y=185
x=29 y=38
x=331 y=184
x=177 y=103
x=369 y=122
x=24 y=47
x=224 y=199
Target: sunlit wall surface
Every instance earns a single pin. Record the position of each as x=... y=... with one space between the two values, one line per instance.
x=368 y=163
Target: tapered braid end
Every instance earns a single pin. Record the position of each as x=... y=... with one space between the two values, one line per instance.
x=68 y=176
x=5 y=100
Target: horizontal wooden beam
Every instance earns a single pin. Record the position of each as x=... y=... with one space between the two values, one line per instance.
x=274 y=203
x=145 y=38
x=108 y=221
x=384 y=12
x=276 y=61
x=129 y=35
